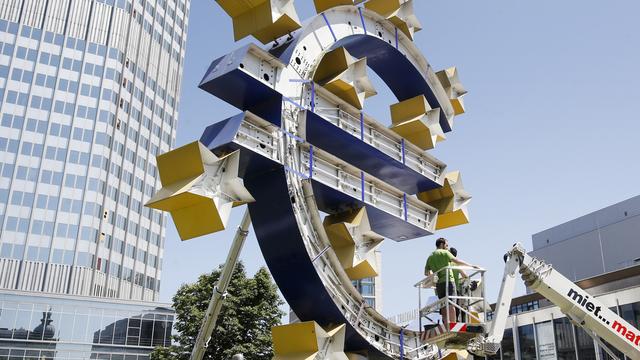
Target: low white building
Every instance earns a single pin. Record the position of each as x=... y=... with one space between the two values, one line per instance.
x=601 y=253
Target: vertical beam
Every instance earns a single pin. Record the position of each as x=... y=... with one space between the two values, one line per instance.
x=219 y=291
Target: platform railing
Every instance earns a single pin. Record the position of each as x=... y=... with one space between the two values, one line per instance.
x=465 y=303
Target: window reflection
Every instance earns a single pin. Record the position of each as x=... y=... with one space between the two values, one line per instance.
x=508 y=352
x=367 y=288
x=35 y=329
x=631 y=313
x=80 y=322
x=586 y=347
x=527 y=341
x=565 y=349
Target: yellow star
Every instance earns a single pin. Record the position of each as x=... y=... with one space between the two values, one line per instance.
x=266 y=20
x=451 y=200
x=354 y=242
x=307 y=341
x=416 y=121
x=345 y=76
x=399 y=12
x=453 y=88
x=199 y=189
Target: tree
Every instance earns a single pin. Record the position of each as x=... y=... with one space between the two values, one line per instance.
x=249 y=311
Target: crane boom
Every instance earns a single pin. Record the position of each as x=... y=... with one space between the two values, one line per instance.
x=583 y=309
x=220 y=289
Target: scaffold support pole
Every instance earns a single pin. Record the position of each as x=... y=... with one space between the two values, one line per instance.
x=220 y=290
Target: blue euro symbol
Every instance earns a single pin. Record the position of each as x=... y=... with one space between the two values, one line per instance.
x=307 y=148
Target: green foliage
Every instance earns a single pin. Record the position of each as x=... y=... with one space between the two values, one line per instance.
x=249 y=311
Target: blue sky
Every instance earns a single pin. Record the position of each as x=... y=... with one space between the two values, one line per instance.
x=551 y=132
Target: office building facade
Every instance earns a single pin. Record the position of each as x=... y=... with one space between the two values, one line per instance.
x=600 y=253
x=601 y=242
x=371 y=288
x=89 y=95
x=43 y=326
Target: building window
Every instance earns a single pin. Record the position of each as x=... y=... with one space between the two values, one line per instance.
x=603 y=353
x=546 y=345
x=631 y=313
x=565 y=348
x=527 y=341
x=508 y=352
x=586 y=347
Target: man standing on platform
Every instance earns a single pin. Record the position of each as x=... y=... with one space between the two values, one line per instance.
x=437 y=261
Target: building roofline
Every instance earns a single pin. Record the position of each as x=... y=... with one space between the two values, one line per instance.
x=587 y=215
x=87 y=298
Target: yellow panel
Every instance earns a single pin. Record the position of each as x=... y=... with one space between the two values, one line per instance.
x=332 y=65
x=416 y=133
x=346 y=256
x=398 y=12
x=339 y=234
x=200 y=219
x=253 y=20
x=435 y=195
x=262 y=26
x=458 y=106
x=341 y=239
x=450 y=200
x=194 y=213
x=349 y=95
x=296 y=338
x=303 y=341
x=183 y=163
x=174 y=201
x=444 y=205
x=322 y=5
x=403 y=26
x=336 y=225
x=473 y=320
x=450 y=356
x=414 y=120
x=361 y=271
x=348 y=230
x=451 y=219
x=453 y=88
x=383 y=7
x=409 y=109
x=353 y=217
x=266 y=20
x=344 y=76
x=236 y=8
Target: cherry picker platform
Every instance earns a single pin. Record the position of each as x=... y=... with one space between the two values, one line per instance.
x=473 y=332
x=470 y=308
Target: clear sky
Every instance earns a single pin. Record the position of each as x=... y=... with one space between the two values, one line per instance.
x=551 y=132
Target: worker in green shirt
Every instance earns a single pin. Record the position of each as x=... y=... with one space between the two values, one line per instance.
x=457 y=274
x=438 y=260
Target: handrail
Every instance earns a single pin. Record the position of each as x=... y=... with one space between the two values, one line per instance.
x=430 y=279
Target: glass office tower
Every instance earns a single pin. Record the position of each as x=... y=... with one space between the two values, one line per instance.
x=50 y=326
x=89 y=95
